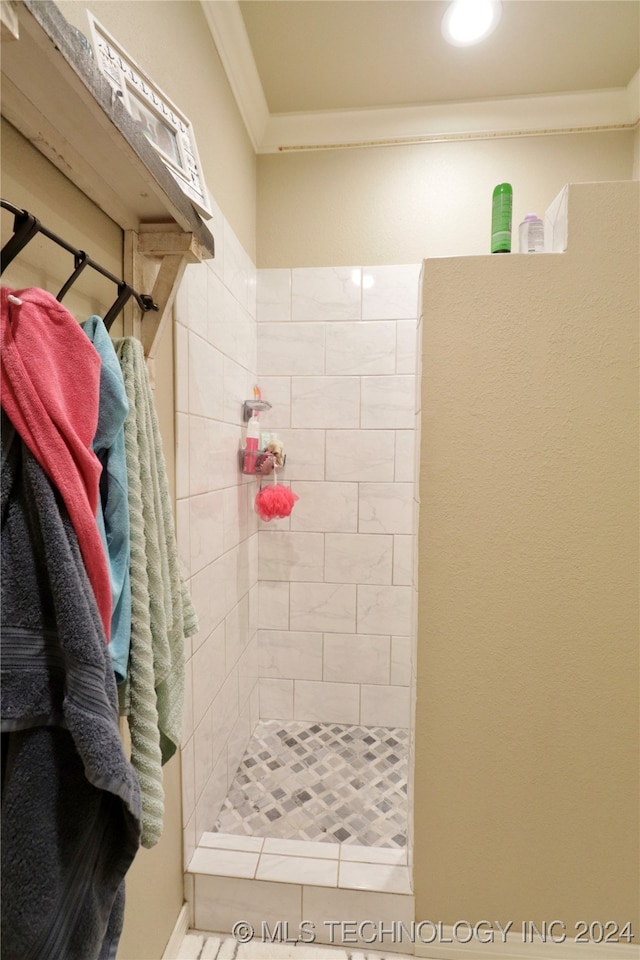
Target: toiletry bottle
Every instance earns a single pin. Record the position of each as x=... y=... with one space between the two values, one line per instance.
x=502 y=205
x=251 y=444
x=531 y=232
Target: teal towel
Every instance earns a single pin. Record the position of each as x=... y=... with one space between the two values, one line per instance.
x=162 y=614
x=113 y=518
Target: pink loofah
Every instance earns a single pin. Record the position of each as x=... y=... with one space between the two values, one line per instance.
x=274 y=502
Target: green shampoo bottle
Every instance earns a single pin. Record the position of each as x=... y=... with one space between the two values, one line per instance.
x=501 y=210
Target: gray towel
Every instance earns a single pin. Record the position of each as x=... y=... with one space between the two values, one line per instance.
x=70 y=799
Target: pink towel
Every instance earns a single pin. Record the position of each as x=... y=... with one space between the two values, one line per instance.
x=50 y=389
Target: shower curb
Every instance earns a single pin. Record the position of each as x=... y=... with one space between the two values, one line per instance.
x=263 y=891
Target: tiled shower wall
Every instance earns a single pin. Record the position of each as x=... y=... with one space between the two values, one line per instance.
x=336 y=359
x=217 y=529
x=309 y=617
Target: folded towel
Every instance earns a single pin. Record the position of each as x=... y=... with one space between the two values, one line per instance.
x=161 y=608
x=50 y=381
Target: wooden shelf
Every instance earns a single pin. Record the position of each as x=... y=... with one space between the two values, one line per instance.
x=54 y=94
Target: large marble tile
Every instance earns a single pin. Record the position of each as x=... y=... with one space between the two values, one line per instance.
x=383 y=609
x=320 y=904
x=406 y=345
x=233 y=331
x=231 y=841
x=188 y=781
x=323 y=607
x=362 y=854
x=277 y=391
x=235 y=516
x=187 y=720
x=217 y=298
x=206 y=379
x=238 y=387
x=326 y=293
x=302 y=848
x=386 y=508
x=208 y=454
x=200 y=589
x=356 y=658
x=274 y=605
x=195 y=314
x=358 y=558
x=236 y=745
x=388 y=402
x=291 y=556
x=236 y=632
x=276 y=699
x=290 y=349
x=287 y=655
x=181 y=362
x=224 y=863
x=273 y=295
x=206 y=529
x=325 y=402
x=388 y=878
x=360 y=455
x=401 y=661
x=403 y=547
x=212 y=797
x=289 y=869
x=236 y=269
x=220 y=902
x=207 y=673
x=182 y=455
x=248 y=673
x=405 y=456
x=360 y=347
x=325 y=507
x=385 y=706
x=390 y=292
x=305 y=452
x=326 y=702
x=183 y=538
x=203 y=758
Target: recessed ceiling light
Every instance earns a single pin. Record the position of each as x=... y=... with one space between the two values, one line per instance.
x=469 y=21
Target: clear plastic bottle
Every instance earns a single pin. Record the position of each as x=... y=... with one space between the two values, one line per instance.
x=251 y=444
x=501 y=207
x=531 y=233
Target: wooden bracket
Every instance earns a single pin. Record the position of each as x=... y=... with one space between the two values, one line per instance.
x=155 y=259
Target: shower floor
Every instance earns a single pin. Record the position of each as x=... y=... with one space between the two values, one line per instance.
x=302 y=780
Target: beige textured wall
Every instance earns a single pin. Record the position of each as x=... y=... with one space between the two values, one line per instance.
x=171 y=42
x=526 y=781
x=402 y=204
x=32 y=183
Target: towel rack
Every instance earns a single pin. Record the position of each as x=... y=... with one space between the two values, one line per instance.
x=26 y=227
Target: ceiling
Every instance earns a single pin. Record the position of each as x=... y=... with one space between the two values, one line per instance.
x=339 y=68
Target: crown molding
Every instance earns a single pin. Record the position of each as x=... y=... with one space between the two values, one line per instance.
x=582 y=112
x=509 y=117
x=232 y=43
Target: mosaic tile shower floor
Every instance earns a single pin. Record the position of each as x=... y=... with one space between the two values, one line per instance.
x=302 y=780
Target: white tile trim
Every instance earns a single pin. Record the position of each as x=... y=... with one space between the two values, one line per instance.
x=379 y=862
x=172 y=949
